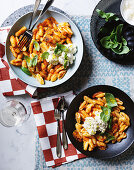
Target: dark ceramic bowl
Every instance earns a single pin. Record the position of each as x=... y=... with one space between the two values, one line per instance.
x=113 y=149
x=97 y=23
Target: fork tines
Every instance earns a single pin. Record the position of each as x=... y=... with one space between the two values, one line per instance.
x=25 y=40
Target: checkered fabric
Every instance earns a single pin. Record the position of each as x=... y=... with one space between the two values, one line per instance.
x=9 y=83
x=43 y=111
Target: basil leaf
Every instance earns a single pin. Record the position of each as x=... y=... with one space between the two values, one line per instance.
x=107 y=16
x=26 y=71
x=115 y=45
x=105 y=42
x=124 y=50
x=45 y=55
x=110 y=122
x=110 y=99
x=119 y=32
x=36 y=45
x=124 y=41
x=34 y=60
x=114 y=17
x=105 y=114
x=60 y=48
x=109 y=137
x=65 y=61
x=101 y=13
x=28 y=60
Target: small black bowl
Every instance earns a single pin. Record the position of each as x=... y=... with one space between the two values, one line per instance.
x=127 y=33
x=113 y=149
x=97 y=22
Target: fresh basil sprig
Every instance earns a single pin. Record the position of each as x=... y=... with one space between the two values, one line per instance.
x=105 y=114
x=26 y=71
x=34 y=60
x=107 y=16
x=115 y=41
x=31 y=62
x=110 y=99
x=106 y=111
x=36 y=45
x=45 y=55
x=60 y=48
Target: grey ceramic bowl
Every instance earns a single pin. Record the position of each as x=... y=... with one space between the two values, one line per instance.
x=76 y=39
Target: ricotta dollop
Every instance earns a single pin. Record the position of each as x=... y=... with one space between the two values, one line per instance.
x=94 y=124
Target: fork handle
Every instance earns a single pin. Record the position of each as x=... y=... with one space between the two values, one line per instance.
x=47 y=5
x=58 y=147
x=64 y=136
x=36 y=5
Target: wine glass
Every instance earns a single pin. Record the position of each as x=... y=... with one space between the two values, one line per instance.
x=13 y=114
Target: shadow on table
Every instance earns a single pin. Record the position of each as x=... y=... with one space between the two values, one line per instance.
x=77 y=82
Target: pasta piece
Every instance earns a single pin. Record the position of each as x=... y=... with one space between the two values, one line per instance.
x=78 y=117
x=40 y=79
x=24 y=63
x=49 y=76
x=89 y=100
x=77 y=136
x=123 y=135
x=13 y=41
x=84 y=114
x=83 y=105
x=20 y=56
x=85 y=145
x=13 y=52
x=119 y=102
x=17 y=50
x=98 y=94
x=31 y=46
x=21 y=31
x=16 y=62
x=121 y=107
x=78 y=127
x=54 y=77
x=61 y=74
x=89 y=107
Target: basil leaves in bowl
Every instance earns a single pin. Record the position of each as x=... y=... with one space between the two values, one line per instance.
x=115 y=38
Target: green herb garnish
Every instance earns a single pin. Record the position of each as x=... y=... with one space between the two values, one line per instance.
x=36 y=45
x=110 y=122
x=109 y=137
x=28 y=60
x=105 y=114
x=45 y=55
x=26 y=71
x=34 y=60
x=65 y=61
x=60 y=48
x=110 y=99
x=115 y=41
x=107 y=16
x=31 y=62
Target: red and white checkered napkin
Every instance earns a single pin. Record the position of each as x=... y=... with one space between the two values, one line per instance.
x=47 y=129
x=9 y=83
